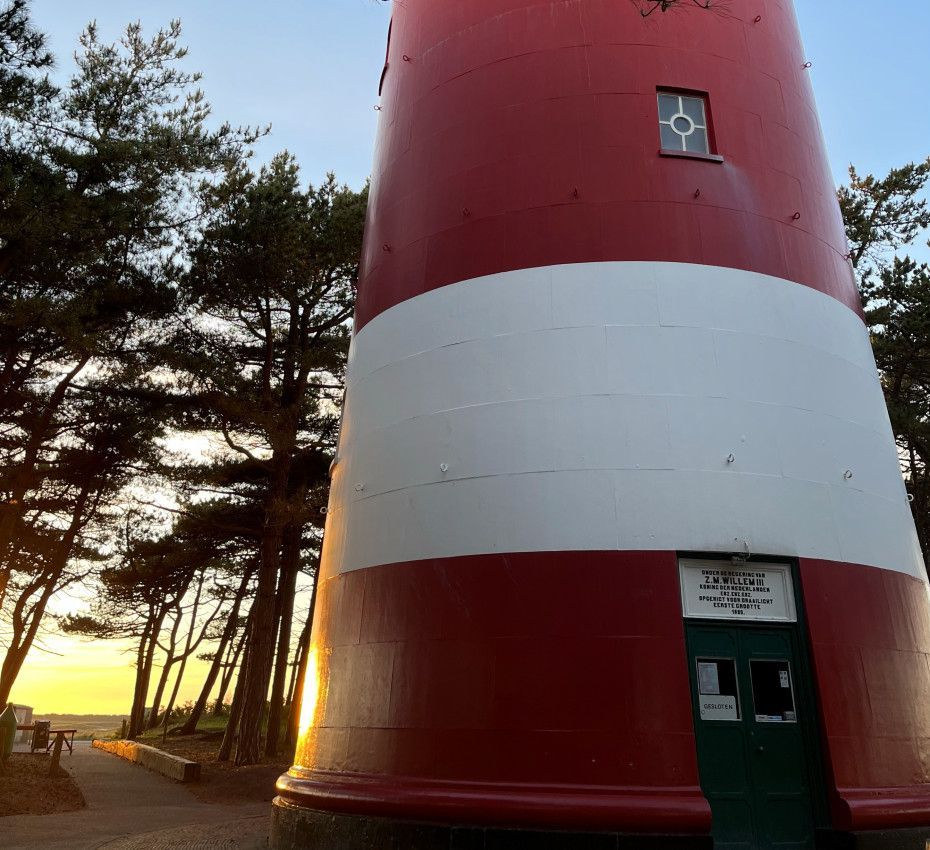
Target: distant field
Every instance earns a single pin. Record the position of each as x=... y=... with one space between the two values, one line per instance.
x=87 y=725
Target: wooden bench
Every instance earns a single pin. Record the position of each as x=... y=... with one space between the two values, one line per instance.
x=67 y=738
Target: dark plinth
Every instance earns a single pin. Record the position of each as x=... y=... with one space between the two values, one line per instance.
x=891 y=839
x=297 y=828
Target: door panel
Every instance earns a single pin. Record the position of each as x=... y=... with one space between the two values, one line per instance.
x=755 y=768
x=722 y=744
x=780 y=768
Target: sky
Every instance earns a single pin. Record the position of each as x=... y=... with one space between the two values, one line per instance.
x=308 y=67
x=311 y=69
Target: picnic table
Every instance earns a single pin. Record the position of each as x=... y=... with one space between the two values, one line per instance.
x=40 y=742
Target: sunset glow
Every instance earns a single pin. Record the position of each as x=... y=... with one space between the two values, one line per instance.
x=58 y=683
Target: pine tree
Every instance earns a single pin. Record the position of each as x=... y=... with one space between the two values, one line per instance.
x=23 y=58
x=100 y=184
x=883 y=216
x=261 y=348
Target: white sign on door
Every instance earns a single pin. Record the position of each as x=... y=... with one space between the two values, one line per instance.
x=708 y=678
x=719 y=708
x=719 y=590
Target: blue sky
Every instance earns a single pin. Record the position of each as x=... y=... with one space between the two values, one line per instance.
x=308 y=67
x=311 y=69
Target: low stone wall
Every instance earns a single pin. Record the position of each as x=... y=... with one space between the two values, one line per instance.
x=174 y=767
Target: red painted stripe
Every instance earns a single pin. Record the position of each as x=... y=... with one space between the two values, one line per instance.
x=870 y=639
x=552 y=689
x=525 y=135
x=517 y=689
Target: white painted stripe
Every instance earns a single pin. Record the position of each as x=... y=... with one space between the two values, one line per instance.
x=594 y=406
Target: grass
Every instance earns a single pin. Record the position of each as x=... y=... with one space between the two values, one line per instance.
x=208 y=724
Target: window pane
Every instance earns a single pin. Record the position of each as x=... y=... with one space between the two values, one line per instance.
x=671 y=141
x=668 y=106
x=717 y=689
x=697 y=142
x=772 y=691
x=693 y=107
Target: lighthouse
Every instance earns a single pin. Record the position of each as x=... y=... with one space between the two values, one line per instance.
x=618 y=552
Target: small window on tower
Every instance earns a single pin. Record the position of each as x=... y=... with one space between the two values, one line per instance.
x=683 y=124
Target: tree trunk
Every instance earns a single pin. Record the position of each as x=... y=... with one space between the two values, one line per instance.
x=24 y=475
x=24 y=632
x=137 y=717
x=12 y=664
x=295 y=666
x=235 y=710
x=169 y=707
x=155 y=716
x=26 y=623
x=297 y=684
x=140 y=668
x=256 y=673
x=137 y=712
x=229 y=633
x=293 y=721
x=229 y=672
x=189 y=647
x=200 y=704
x=290 y=567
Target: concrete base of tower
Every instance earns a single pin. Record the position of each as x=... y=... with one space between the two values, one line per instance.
x=890 y=839
x=298 y=828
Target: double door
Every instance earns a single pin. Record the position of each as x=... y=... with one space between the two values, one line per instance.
x=755 y=740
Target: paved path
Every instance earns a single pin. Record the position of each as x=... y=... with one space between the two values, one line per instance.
x=129 y=807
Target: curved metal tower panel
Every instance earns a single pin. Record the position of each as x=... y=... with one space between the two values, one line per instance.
x=605 y=324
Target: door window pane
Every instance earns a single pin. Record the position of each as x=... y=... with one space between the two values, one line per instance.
x=772 y=691
x=718 y=693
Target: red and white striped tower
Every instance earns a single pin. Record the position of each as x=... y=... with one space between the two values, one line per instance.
x=576 y=358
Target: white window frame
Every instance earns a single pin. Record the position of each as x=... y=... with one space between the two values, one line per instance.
x=702 y=129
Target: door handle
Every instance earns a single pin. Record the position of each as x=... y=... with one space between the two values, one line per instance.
x=760 y=749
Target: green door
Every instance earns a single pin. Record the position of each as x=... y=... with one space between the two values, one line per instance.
x=750 y=713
